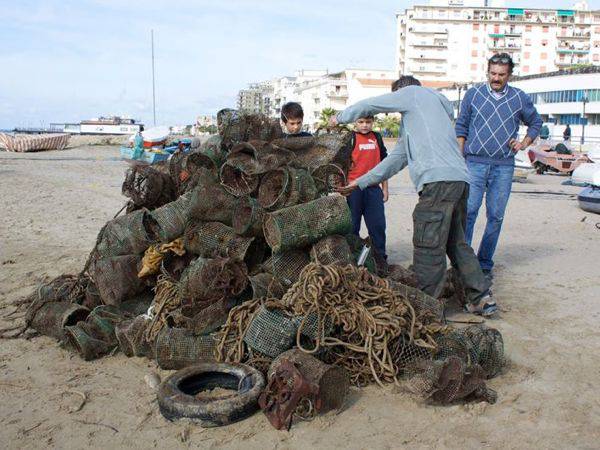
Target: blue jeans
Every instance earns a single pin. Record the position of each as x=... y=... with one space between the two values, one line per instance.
x=495 y=181
x=368 y=203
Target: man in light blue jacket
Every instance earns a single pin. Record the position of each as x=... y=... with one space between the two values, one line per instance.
x=427 y=144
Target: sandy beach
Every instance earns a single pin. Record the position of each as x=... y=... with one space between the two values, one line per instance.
x=547 y=286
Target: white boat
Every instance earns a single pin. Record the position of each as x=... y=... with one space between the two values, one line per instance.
x=584 y=174
x=594 y=154
x=109 y=125
x=153 y=137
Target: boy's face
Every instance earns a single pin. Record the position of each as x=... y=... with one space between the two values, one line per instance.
x=364 y=126
x=293 y=125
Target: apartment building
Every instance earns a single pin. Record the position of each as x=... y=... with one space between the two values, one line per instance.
x=451 y=40
x=315 y=90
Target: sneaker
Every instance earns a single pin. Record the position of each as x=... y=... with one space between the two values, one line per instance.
x=485 y=307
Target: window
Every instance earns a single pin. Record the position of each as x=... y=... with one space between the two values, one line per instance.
x=544 y=42
x=473 y=66
x=526 y=55
x=543 y=69
x=528 y=42
x=475 y=40
x=545 y=29
x=527 y=27
x=525 y=69
x=474 y=53
x=544 y=56
x=596 y=57
x=475 y=26
x=571 y=119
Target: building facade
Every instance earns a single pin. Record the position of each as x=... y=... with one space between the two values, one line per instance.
x=564 y=97
x=451 y=40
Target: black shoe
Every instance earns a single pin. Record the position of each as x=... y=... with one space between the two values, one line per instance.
x=488 y=273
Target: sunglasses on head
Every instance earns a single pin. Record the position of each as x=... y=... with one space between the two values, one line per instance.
x=500 y=59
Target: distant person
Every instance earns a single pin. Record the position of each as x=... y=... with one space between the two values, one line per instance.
x=292 y=116
x=427 y=144
x=368 y=150
x=138 y=144
x=544 y=132
x=567 y=133
x=487 y=129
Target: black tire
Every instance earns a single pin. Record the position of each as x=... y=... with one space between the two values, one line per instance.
x=539 y=168
x=176 y=395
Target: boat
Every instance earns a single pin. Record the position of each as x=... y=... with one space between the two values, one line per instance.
x=594 y=154
x=108 y=125
x=34 y=143
x=554 y=157
x=523 y=167
x=153 y=137
x=584 y=174
x=589 y=199
x=149 y=156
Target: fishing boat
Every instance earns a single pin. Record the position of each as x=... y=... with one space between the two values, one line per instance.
x=523 y=167
x=34 y=143
x=554 y=157
x=149 y=156
x=584 y=174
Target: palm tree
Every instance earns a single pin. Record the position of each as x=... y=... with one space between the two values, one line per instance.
x=390 y=123
x=326 y=113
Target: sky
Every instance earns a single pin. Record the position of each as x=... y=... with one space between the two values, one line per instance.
x=64 y=61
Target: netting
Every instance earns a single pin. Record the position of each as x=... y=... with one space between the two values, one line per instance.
x=284 y=187
x=212 y=239
x=328 y=177
x=449 y=380
x=168 y=222
x=333 y=249
x=117 y=278
x=247 y=217
x=87 y=346
x=474 y=345
x=401 y=275
x=425 y=306
x=130 y=336
x=258 y=157
x=270 y=332
x=304 y=224
x=235 y=127
x=176 y=348
x=125 y=235
x=101 y=322
x=148 y=187
x=319 y=151
x=287 y=266
x=51 y=318
x=236 y=181
x=333 y=383
x=210 y=202
x=206 y=321
x=264 y=285
x=368 y=316
x=206 y=281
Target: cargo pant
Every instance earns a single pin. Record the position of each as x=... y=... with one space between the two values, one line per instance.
x=439 y=229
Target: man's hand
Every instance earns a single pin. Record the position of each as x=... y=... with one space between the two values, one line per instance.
x=333 y=122
x=515 y=145
x=347 y=190
x=386 y=193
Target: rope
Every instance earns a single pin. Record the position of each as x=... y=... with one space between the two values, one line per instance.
x=165 y=301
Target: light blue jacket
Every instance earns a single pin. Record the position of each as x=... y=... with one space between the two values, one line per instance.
x=427 y=142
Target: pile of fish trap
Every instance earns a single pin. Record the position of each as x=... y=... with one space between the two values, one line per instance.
x=238 y=253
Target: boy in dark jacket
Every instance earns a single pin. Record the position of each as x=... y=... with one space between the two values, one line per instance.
x=368 y=150
x=292 y=116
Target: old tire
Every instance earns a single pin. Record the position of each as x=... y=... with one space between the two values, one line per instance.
x=177 y=394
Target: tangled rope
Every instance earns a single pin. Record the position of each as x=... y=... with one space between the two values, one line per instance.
x=368 y=315
x=165 y=301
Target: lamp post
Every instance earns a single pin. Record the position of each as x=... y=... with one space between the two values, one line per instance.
x=583 y=119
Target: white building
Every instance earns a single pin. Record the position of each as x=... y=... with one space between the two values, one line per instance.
x=559 y=98
x=451 y=40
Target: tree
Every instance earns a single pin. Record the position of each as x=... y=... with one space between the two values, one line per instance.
x=326 y=113
x=389 y=123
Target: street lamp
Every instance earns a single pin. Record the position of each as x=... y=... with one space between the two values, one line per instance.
x=583 y=119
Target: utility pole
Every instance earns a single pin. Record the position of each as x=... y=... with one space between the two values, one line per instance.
x=583 y=119
x=153 y=85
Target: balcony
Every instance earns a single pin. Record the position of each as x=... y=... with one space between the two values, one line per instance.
x=430 y=45
x=574 y=51
x=429 y=69
x=337 y=94
x=575 y=36
x=424 y=31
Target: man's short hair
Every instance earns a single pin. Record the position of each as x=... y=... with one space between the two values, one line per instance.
x=370 y=116
x=291 y=110
x=503 y=59
x=403 y=81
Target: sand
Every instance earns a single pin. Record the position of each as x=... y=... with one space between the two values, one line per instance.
x=53 y=205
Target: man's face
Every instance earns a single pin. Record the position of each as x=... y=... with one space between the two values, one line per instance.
x=498 y=75
x=293 y=126
x=364 y=126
